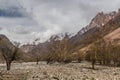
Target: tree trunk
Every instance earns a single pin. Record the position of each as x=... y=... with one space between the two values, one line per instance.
x=93 y=64
x=100 y=62
x=8 y=63
x=104 y=62
x=37 y=62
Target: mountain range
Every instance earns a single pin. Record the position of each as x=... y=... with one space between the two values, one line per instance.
x=103 y=25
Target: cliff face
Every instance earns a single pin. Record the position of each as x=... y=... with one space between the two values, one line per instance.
x=100 y=20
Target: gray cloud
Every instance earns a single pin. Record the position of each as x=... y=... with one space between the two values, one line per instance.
x=43 y=18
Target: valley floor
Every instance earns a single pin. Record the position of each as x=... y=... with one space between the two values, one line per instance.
x=72 y=71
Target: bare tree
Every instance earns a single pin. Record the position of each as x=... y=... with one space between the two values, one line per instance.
x=9 y=51
x=9 y=55
x=37 y=55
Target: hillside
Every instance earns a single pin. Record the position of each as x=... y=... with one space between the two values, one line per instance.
x=113 y=37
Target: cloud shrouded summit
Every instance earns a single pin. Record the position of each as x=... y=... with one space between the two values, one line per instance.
x=26 y=20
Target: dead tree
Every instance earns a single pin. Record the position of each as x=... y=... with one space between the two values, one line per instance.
x=9 y=55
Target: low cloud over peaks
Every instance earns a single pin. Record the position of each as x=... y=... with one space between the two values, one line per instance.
x=26 y=20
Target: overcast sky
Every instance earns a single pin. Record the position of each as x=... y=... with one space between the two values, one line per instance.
x=26 y=20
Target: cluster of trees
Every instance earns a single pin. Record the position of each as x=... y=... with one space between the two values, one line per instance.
x=100 y=52
x=104 y=54
x=59 y=49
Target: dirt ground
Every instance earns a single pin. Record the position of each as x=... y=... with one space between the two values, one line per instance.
x=71 y=71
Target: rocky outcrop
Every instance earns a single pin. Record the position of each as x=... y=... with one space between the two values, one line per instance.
x=100 y=20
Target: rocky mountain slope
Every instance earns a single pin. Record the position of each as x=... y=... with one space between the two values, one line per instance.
x=102 y=25
x=110 y=32
x=100 y=20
